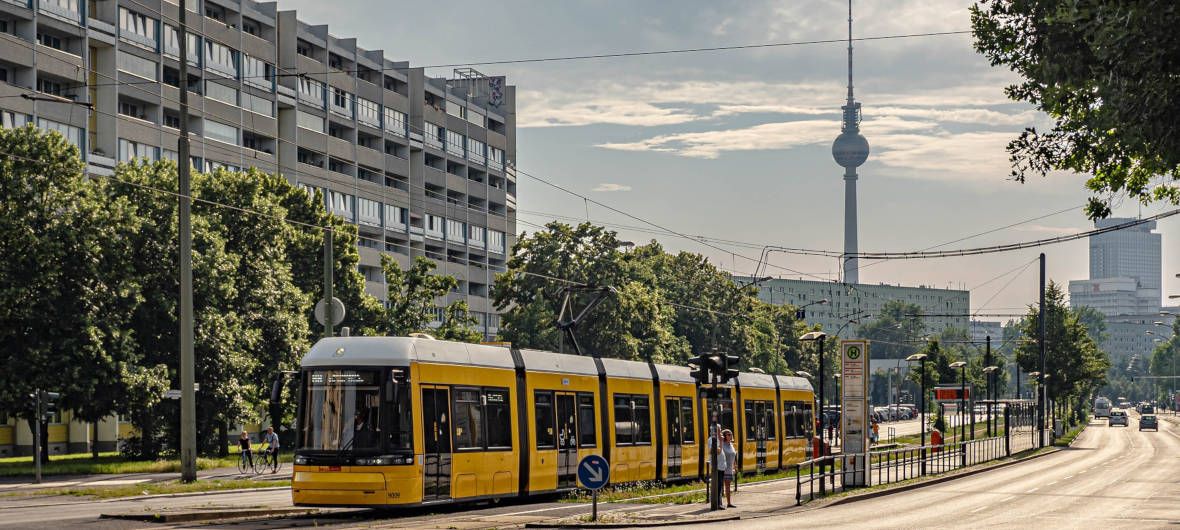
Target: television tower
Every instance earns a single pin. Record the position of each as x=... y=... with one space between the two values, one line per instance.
x=850 y=151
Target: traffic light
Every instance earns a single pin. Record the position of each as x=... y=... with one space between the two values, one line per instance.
x=701 y=373
x=729 y=367
x=48 y=403
x=32 y=403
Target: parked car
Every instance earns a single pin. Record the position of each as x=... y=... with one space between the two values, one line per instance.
x=1118 y=417
x=1148 y=421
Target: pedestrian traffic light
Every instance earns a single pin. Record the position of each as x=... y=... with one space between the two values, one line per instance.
x=729 y=367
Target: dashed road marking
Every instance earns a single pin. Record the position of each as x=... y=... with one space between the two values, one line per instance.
x=980 y=509
x=1051 y=483
x=1032 y=490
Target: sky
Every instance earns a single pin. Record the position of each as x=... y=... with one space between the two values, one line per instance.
x=736 y=145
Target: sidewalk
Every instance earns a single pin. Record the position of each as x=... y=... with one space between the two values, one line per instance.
x=21 y=484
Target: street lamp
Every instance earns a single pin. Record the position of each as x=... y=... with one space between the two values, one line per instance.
x=962 y=366
x=990 y=371
x=922 y=377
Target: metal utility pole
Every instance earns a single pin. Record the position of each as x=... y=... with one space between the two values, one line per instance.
x=1041 y=340
x=987 y=356
x=715 y=479
x=37 y=432
x=329 y=265
x=188 y=395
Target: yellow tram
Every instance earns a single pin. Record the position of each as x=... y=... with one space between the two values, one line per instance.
x=396 y=421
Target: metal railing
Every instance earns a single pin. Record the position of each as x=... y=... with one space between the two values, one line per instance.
x=825 y=463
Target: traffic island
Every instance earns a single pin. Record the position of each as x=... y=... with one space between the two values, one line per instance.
x=211 y=513
x=628 y=520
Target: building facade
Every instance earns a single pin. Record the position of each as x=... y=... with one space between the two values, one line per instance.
x=853 y=302
x=422 y=165
x=1125 y=285
x=982 y=329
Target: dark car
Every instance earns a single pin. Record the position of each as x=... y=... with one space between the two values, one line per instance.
x=1148 y=421
x=1118 y=417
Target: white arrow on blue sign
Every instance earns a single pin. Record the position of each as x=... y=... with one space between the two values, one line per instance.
x=593 y=472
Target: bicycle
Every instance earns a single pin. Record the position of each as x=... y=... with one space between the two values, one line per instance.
x=268 y=459
x=245 y=463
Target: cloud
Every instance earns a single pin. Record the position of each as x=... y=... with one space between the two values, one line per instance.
x=1052 y=230
x=767 y=136
x=608 y=187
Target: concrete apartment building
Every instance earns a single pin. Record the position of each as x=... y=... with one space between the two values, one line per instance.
x=422 y=165
x=845 y=303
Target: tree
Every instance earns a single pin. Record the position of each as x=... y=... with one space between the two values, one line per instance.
x=1164 y=363
x=66 y=289
x=1073 y=363
x=1104 y=72
x=412 y=293
x=895 y=334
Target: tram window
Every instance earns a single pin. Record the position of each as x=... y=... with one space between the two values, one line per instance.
x=751 y=421
x=642 y=420
x=623 y=424
x=545 y=420
x=468 y=419
x=768 y=420
x=727 y=414
x=790 y=424
x=806 y=420
x=675 y=431
x=686 y=421
x=587 y=421
x=499 y=419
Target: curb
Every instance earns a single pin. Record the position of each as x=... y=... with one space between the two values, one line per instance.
x=940 y=480
x=636 y=524
x=149 y=497
x=188 y=517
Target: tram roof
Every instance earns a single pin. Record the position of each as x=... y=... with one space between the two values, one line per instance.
x=400 y=351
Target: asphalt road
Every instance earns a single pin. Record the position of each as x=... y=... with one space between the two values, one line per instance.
x=1113 y=477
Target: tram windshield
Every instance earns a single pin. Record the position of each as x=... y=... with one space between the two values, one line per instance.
x=344 y=410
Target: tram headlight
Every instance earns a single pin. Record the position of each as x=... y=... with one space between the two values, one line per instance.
x=378 y=461
x=300 y=460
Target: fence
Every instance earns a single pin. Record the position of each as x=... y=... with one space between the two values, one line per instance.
x=887 y=467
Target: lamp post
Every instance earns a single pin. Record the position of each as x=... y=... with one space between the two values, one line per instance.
x=962 y=366
x=922 y=378
x=990 y=371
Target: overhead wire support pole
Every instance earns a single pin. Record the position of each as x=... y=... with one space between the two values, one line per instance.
x=1042 y=346
x=188 y=395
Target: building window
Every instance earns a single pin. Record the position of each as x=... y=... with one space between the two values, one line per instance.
x=341 y=102
x=435 y=226
x=221 y=58
x=368 y=212
x=129 y=151
x=221 y=132
x=137 y=28
x=496 y=241
x=171 y=120
x=476 y=236
x=432 y=135
x=311 y=91
x=257 y=72
x=137 y=66
x=341 y=203
x=495 y=158
x=221 y=93
x=68 y=9
x=303 y=48
x=368 y=112
x=311 y=121
x=456 y=110
x=49 y=87
x=395 y=122
x=172 y=45
x=72 y=134
x=475 y=150
x=455 y=142
x=51 y=41
x=257 y=104
x=12 y=120
x=135 y=110
x=396 y=217
x=456 y=231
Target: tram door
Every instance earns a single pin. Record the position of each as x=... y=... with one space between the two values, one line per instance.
x=567 y=440
x=756 y=431
x=436 y=430
x=675 y=434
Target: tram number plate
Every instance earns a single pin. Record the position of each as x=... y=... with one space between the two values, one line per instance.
x=329 y=468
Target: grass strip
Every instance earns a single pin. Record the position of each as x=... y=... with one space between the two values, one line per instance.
x=157 y=488
x=109 y=463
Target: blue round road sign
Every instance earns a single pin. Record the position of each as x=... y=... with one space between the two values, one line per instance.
x=593 y=472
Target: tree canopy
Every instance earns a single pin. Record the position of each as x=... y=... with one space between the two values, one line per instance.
x=1105 y=73
x=1074 y=365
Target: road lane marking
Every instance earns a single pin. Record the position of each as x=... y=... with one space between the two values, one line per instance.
x=1051 y=483
x=1032 y=490
x=980 y=509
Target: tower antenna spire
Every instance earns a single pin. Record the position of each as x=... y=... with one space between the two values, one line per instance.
x=850 y=52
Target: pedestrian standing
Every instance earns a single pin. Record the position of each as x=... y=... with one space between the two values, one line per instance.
x=730 y=468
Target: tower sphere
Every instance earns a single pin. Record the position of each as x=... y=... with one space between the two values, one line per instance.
x=850 y=149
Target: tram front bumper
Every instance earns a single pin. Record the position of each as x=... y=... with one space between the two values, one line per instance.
x=338 y=488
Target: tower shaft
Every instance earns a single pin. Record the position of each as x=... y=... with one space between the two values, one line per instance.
x=850 y=263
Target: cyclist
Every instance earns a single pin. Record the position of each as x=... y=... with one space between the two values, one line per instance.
x=272 y=441
x=244 y=445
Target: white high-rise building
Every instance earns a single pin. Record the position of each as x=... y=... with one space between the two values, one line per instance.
x=1128 y=253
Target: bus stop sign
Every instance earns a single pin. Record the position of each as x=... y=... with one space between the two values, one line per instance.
x=593 y=472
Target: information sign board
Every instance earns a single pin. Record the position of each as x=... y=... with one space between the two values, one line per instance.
x=854 y=401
